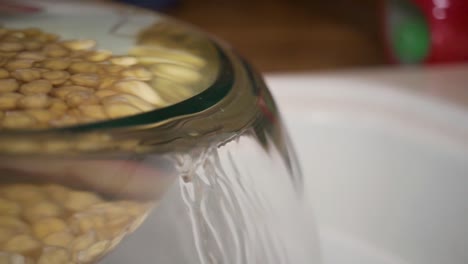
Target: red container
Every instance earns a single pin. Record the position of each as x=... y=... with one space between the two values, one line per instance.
x=426 y=31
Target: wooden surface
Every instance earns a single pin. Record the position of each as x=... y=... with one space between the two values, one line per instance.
x=295 y=35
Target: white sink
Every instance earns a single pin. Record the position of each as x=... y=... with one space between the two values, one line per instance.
x=385 y=162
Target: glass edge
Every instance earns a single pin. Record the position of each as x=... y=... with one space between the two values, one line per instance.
x=208 y=98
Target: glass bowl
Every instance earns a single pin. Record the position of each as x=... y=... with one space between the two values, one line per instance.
x=72 y=191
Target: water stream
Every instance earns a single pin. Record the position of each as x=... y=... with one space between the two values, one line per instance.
x=234 y=204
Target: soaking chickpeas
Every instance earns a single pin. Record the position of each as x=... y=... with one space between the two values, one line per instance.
x=58 y=217
x=56 y=224
x=75 y=83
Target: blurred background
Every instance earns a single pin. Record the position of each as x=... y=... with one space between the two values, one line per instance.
x=292 y=35
x=321 y=35
x=288 y=35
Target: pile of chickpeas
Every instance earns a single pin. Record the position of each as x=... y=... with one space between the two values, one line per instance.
x=49 y=82
x=53 y=224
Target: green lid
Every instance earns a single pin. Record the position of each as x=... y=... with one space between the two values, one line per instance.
x=411 y=40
